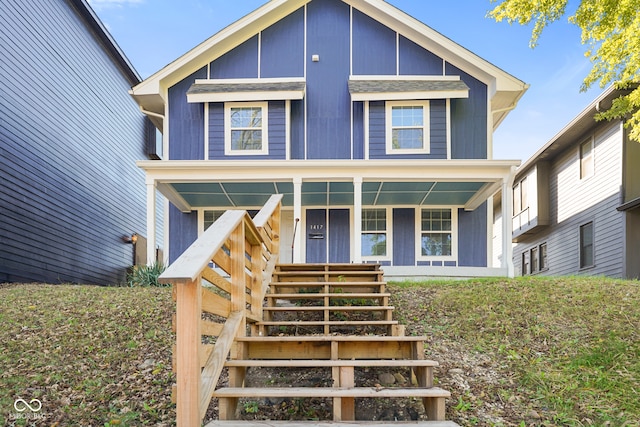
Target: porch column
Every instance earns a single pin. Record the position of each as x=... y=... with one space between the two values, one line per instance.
x=357 y=220
x=151 y=222
x=507 y=222
x=297 y=215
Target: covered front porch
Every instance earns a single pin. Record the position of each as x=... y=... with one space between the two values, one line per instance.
x=407 y=206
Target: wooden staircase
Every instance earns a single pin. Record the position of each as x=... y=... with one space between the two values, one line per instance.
x=334 y=317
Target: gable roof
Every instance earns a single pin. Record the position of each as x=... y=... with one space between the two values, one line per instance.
x=104 y=37
x=504 y=89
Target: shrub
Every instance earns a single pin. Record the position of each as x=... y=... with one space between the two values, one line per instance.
x=146 y=275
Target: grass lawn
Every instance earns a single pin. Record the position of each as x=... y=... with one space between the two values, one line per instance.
x=523 y=352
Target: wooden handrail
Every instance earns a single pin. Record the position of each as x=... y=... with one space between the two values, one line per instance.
x=246 y=251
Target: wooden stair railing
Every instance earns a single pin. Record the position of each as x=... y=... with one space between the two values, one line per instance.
x=247 y=251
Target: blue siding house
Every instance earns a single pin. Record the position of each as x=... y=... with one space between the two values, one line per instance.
x=375 y=128
x=70 y=190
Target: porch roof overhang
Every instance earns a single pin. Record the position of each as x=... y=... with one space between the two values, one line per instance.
x=193 y=184
x=394 y=88
x=222 y=90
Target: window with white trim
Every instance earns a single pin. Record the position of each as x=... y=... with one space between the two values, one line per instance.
x=246 y=128
x=438 y=234
x=210 y=217
x=586 y=159
x=407 y=127
x=586 y=245
x=374 y=233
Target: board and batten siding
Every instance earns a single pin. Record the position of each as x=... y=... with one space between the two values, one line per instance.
x=69 y=138
x=575 y=202
x=327 y=124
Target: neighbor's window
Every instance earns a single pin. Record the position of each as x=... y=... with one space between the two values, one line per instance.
x=543 y=257
x=586 y=159
x=533 y=256
x=520 y=196
x=437 y=227
x=246 y=128
x=407 y=125
x=525 y=263
x=374 y=232
x=586 y=245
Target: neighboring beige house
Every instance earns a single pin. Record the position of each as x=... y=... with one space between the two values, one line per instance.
x=576 y=202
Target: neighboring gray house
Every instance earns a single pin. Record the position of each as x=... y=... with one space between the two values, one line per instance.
x=70 y=134
x=576 y=202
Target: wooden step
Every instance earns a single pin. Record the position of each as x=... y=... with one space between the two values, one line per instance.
x=319 y=392
x=345 y=287
x=327 y=267
x=333 y=287
x=332 y=273
x=433 y=398
x=255 y=423
x=332 y=347
x=337 y=338
x=362 y=363
x=329 y=295
x=327 y=322
x=331 y=308
x=337 y=276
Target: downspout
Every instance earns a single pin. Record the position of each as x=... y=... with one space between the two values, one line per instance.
x=151 y=210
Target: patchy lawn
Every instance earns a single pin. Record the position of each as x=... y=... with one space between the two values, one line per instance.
x=532 y=352
x=91 y=355
x=543 y=352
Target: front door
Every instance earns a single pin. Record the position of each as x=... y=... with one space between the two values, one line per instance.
x=328 y=236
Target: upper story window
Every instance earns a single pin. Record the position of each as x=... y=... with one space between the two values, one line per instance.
x=245 y=128
x=407 y=124
x=438 y=233
x=374 y=233
x=520 y=196
x=586 y=159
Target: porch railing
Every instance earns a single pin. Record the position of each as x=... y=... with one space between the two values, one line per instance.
x=246 y=251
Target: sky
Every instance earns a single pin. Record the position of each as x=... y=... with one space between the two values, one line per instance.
x=153 y=33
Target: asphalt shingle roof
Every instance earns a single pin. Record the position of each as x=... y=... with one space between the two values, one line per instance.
x=383 y=86
x=201 y=88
